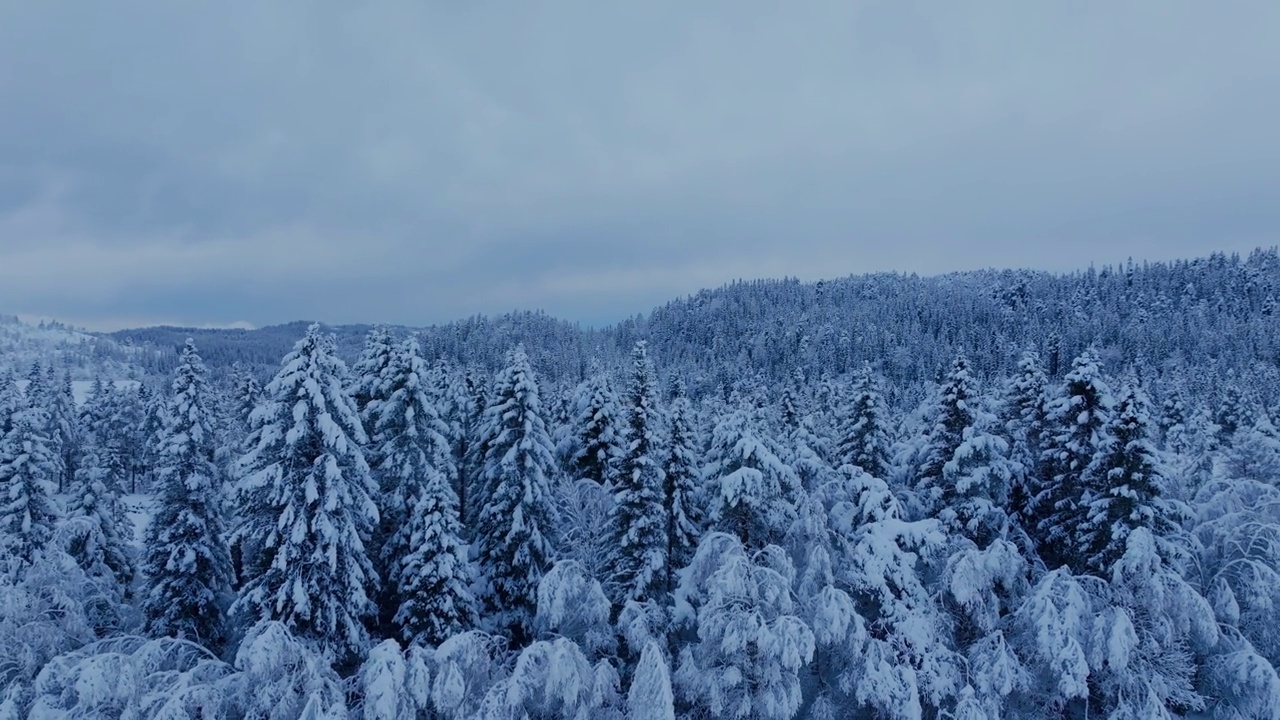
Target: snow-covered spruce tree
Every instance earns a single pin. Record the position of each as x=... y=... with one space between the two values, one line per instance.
x=103 y=546
x=680 y=504
x=965 y=475
x=186 y=562
x=513 y=528
x=471 y=404
x=11 y=400
x=367 y=372
x=864 y=439
x=420 y=547
x=1254 y=454
x=1023 y=415
x=1129 y=487
x=747 y=482
x=28 y=471
x=1076 y=428
x=433 y=578
x=63 y=433
x=246 y=395
x=595 y=444
x=952 y=414
x=639 y=523
x=306 y=507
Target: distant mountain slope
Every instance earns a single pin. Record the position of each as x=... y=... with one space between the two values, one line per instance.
x=1205 y=316
x=83 y=352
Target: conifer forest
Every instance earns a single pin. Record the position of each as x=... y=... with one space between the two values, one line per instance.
x=995 y=494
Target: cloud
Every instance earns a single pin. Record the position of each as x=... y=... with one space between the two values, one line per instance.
x=416 y=162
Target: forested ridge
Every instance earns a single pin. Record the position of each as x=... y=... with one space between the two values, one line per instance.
x=980 y=495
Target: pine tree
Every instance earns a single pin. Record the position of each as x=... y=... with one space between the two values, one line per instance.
x=953 y=413
x=95 y=500
x=408 y=443
x=680 y=502
x=596 y=445
x=1024 y=419
x=639 y=523
x=367 y=373
x=514 y=525
x=28 y=470
x=305 y=499
x=1127 y=484
x=187 y=564
x=11 y=400
x=973 y=474
x=63 y=433
x=1076 y=425
x=419 y=544
x=864 y=440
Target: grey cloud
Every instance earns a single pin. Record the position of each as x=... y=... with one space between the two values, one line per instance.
x=416 y=162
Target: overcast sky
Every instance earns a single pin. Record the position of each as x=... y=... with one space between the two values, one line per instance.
x=415 y=162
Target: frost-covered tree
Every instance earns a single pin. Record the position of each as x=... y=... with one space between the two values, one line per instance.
x=907 y=664
x=187 y=564
x=1023 y=415
x=514 y=527
x=650 y=696
x=1129 y=487
x=104 y=530
x=62 y=430
x=751 y=644
x=864 y=438
x=638 y=520
x=28 y=472
x=1077 y=420
x=11 y=400
x=367 y=372
x=433 y=577
x=965 y=476
x=680 y=502
x=572 y=605
x=305 y=499
x=419 y=548
x=596 y=442
x=747 y=483
x=1146 y=643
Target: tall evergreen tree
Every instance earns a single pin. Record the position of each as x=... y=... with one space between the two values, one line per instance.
x=420 y=550
x=1076 y=425
x=681 y=504
x=513 y=528
x=63 y=432
x=966 y=474
x=953 y=413
x=639 y=523
x=367 y=373
x=1023 y=413
x=105 y=546
x=595 y=446
x=1127 y=486
x=864 y=438
x=11 y=400
x=187 y=565
x=305 y=498
x=28 y=471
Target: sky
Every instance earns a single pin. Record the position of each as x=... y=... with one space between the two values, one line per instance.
x=413 y=162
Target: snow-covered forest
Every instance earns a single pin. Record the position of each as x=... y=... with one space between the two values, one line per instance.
x=982 y=495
